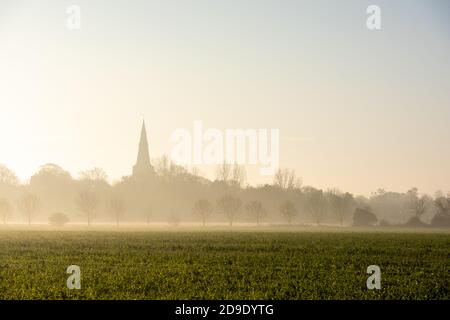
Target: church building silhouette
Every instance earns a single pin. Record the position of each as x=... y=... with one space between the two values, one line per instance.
x=143 y=167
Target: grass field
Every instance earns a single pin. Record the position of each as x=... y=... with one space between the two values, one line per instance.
x=219 y=264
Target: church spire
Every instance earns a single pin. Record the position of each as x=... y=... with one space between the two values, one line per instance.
x=143 y=165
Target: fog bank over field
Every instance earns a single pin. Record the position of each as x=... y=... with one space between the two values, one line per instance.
x=171 y=196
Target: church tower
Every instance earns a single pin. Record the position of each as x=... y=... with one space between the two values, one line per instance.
x=143 y=166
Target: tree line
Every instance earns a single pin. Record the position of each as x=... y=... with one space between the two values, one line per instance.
x=176 y=195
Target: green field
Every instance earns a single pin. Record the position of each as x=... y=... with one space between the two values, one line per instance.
x=220 y=264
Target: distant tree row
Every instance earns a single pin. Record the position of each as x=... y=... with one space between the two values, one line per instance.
x=176 y=194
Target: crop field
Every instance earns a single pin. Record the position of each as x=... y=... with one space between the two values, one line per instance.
x=221 y=264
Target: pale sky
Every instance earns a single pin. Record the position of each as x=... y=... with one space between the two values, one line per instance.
x=356 y=109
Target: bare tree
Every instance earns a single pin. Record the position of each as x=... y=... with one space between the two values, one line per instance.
x=341 y=204
x=5 y=210
x=232 y=174
x=162 y=166
x=7 y=176
x=288 y=211
x=224 y=172
x=417 y=205
x=95 y=174
x=442 y=205
x=87 y=203
x=316 y=205
x=287 y=179
x=230 y=207
x=239 y=174
x=442 y=216
x=167 y=169
x=118 y=208
x=279 y=179
x=256 y=211
x=203 y=208
x=29 y=205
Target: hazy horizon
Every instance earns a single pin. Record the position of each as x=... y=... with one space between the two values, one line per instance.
x=356 y=109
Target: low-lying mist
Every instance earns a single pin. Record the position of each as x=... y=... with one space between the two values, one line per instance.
x=172 y=196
